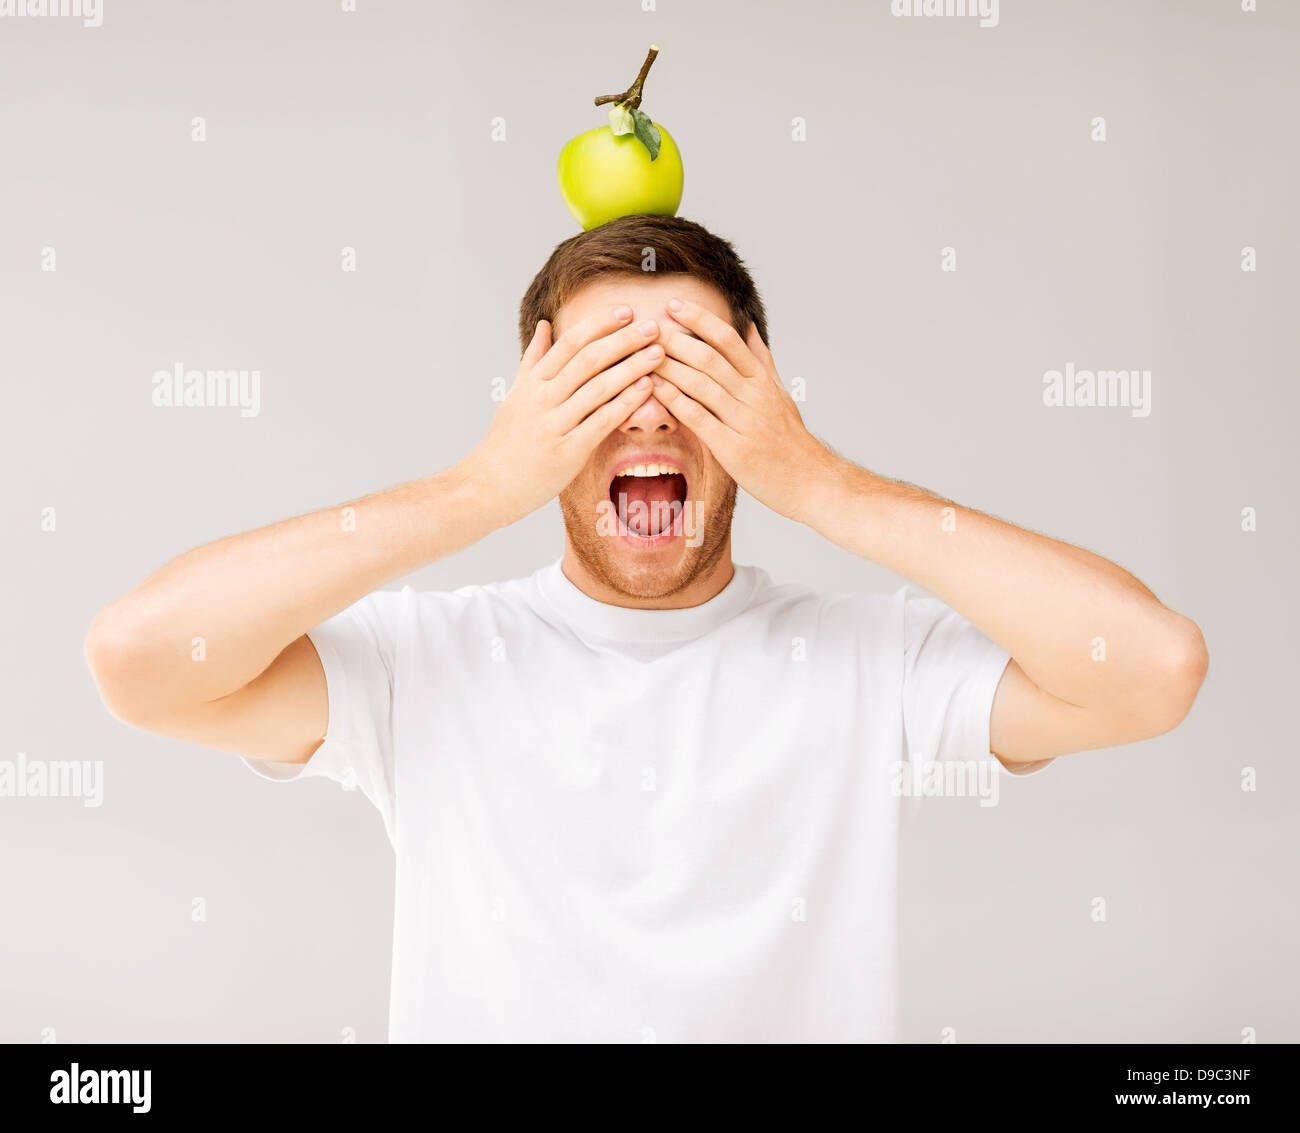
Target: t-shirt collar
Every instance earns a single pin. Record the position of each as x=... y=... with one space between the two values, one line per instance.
x=594 y=619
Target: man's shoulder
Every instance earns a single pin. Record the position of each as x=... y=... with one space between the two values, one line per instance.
x=501 y=594
x=424 y=603
x=825 y=606
x=768 y=590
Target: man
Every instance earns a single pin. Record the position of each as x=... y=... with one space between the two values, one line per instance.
x=644 y=794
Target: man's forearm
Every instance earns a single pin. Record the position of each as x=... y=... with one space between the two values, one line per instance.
x=249 y=596
x=1057 y=609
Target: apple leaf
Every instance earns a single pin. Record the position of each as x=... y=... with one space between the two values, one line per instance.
x=646 y=131
x=620 y=120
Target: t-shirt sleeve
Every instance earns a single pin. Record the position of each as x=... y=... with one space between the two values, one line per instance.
x=951 y=672
x=357 y=650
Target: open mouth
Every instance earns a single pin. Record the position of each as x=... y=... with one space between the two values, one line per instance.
x=650 y=499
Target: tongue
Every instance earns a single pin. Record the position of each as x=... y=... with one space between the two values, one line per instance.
x=647 y=504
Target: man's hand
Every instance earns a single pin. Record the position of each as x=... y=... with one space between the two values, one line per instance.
x=567 y=398
x=726 y=390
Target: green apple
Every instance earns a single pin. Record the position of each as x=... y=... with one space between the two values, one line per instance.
x=604 y=175
x=628 y=168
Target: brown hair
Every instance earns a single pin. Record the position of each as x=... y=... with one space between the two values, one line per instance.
x=621 y=248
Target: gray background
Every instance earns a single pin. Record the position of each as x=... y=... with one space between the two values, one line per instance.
x=373 y=130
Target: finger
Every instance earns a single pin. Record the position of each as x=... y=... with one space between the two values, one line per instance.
x=577 y=336
x=693 y=415
x=702 y=388
x=591 y=395
x=537 y=346
x=611 y=415
x=601 y=355
x=699 y=355
x=719 y=334
x=758 y=347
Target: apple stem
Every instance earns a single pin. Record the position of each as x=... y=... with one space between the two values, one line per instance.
x=631 y=97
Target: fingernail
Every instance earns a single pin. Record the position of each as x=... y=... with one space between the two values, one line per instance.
x=649 y=327
x=643 y=383
x=655 y=352
x=674 y=305
x=658 y=381
x=623 y=313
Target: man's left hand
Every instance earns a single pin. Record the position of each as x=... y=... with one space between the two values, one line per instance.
x=726 y=390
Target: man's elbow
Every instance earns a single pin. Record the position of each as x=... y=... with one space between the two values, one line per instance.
x=1180 y=672
x=112 y=655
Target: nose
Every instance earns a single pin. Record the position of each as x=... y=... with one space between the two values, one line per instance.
x=650 y=418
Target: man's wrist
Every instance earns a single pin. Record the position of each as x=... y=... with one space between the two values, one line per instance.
x=874 y=517
x=475 y=498
x=825 y=490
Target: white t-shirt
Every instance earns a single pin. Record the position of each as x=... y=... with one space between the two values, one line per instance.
x=618 y=825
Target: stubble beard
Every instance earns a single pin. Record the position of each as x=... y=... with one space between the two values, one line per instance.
x=597 y=553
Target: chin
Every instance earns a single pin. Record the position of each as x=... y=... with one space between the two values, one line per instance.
x=647 y=563
x=647 y=574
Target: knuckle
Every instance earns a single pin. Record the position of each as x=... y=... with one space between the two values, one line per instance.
x=584 y=360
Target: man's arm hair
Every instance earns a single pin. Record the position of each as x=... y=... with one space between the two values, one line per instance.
x=259 y=689
x=1097 y=659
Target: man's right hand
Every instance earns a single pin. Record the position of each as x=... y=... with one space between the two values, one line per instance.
x=568 y=396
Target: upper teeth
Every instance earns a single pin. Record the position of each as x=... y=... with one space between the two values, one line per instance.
x=649 y=470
